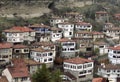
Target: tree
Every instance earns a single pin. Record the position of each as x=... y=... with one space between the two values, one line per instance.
x=44 y=75
x=56 y=76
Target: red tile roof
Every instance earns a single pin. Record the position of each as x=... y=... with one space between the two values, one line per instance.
x=65 y=40
x=115 y=48
x=110 y=67
x=5 y=45
x=39 y=26
x=50 y=44
x=3 y=79
x=83 y=23
x=20 y=46
x=41 y=50
x=19 y=29
x=19 y=68
x=78 y=60
x=56 y=29
x=97 y=33
x=99 y=80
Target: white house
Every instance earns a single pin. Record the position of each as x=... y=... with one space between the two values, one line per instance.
x=6 y=51
x=102 y=47
x=56 y=34
x=42 y=32
x=113 y=32
x=45 y=45
x=114 y=54
x=83 y=26
x=108 y=25
x=43 y=56
x=17 y=72
x=81 y=68
x=55 y=20
x=68 y=29
x=112 y=72
x=67 y=47
x=19 y=34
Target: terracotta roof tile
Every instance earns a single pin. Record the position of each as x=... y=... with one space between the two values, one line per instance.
x=39 y=26
x=78 y=60
x=109 y=67
x=20 y=46
x=19 y=29
x=5 y=45
x=97 y=33
x=3 y=79
x=99 y=80
x=19 y=68
x=65 y=40
x=43 y=44
x=56 y=29
x=31 y=62
x=40 y=50
x=82 y=23
x=115 y=48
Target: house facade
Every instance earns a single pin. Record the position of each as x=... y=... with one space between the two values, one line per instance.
x=5 y=51
x=114 y=54
x=20 y=51
x=42 y=32
x=17 y=72
x=110 y=72
x=45 y=45
x=68 y=29
x=101 y=46
x=81 y=68
x=32 y=65
x=55 y=20
x=19 y=34
x=56 y=34
x=112 y=32
x=74 y=16
x=101 y=16
x=66 y=47
x=43 y=56
x=83 y=26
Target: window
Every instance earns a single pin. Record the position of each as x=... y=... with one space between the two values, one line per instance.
x=16 y=79
x=101 y=46
x=89 y=71
x=17 y=51
x=70 y=33
x=84 y=66
x=108 y=70
x=89 y=65
x=88 y=49
x=24 y=79
x=71 y=49
x=114 y=51
x=79 y=67
x=50 y=54
x=26 y=50
x=82 y=76
x=50 y=59
x=5 y=56
x=45 y=60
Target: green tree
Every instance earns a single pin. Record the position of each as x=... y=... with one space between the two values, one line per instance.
x=44 y=75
